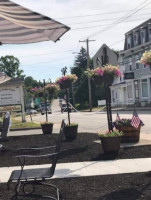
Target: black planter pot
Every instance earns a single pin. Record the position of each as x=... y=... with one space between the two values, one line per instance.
x=111 y=145
x=70 y=132
x=47 y=128
x=66 y=84
x=98 y=80
x=108 y=79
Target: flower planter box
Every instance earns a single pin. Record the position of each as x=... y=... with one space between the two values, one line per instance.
x=108 y=79
x=47 y=128
x=98 y=80
x=111 y=145
x=70 y=132
x=65 y=84
x=131 y=134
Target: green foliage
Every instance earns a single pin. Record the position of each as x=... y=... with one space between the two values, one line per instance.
x=18 y=124
x=43 y=123
x=81 y=59
x=71 y=124
x=10 y=66
x=77 y=70
x=114 y=133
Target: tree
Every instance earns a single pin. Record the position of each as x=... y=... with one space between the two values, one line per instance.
x=81 y=59
x=29 y=81
x=10 y=66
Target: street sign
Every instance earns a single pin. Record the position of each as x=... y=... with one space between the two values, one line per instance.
x=129 y=75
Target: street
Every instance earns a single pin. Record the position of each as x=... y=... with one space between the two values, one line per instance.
x=91 y=121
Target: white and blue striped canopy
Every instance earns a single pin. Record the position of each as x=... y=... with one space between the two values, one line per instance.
x=19 y=25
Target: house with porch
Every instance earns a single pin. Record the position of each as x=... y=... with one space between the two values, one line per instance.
x=135 y=85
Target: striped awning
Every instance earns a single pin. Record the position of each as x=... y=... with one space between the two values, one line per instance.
x=19 y=25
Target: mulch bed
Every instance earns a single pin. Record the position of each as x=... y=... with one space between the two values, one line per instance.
x=135 y=186
x=84 y=148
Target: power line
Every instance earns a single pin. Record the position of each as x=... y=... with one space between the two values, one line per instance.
x=106 y=24
x=103 y=20
x=137 y=9
x=105 y=13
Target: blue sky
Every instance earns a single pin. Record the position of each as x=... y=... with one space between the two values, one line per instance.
x=86 y=18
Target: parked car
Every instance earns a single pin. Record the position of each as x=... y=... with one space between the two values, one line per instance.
x=31 y=111
x=49 y=111
x=64 y=108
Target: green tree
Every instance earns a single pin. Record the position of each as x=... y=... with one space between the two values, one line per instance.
x=10 y=66
x=81 y=59
x=29 y=81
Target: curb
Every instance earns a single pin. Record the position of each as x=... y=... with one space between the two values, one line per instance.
x=24 y=129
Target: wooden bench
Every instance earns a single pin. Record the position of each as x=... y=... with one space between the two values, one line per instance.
x=5 y=127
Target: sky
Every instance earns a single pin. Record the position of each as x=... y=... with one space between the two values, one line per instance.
x=103 y=21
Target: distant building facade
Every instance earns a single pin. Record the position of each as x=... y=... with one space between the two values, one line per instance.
x=103 y=56
x=135 y=88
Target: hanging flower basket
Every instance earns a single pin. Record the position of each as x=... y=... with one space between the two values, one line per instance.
x=65 y=84
x=98 y=80
x=66 y=81
x=40 y=94
x=110 y=73
x=96 y=75
x=51 y=89
x=146 y=59
x=108 y=79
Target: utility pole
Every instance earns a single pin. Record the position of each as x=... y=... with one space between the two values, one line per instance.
x=88 y=67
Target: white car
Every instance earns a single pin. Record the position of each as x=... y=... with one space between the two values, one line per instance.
x=31 y=112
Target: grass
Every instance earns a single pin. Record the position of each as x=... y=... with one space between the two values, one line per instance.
x=20 y=124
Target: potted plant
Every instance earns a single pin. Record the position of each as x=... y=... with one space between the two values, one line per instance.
x=110 y=141
x=146 y=59
x=130 y=133
x=110 y=72
x=47 y=127
x=96 y=75
x=71 y=131
x=66 y=80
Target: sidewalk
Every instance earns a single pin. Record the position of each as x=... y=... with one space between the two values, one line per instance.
x=95 y=168
x=79 y=169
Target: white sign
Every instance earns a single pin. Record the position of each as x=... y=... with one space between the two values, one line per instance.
x=101 y=102
x=15 y=108
x=9 y=96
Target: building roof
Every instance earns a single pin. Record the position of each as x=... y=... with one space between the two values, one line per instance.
x=139 y=26
x=13 y=81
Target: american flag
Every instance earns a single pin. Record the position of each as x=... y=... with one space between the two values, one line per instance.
x=135 y=121
x=118 y=117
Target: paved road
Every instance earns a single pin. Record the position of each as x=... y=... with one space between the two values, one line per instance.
x=91 y=121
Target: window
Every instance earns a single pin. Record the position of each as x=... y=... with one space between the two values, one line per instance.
x=142 y=36
x=137 y=65
x=130 y=66
x=149 y=33
x=144 y=88
x=129 y=91
x=129 y=42
x=135 y=39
